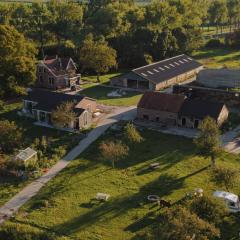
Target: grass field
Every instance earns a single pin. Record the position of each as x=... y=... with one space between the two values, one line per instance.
x=9 y=186
x=218 y=58
x=100 y=93
x=73 y=214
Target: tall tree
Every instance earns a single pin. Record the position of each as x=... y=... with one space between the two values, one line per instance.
x=208 y=141
x=113 y=151
x=63 y=115
x=10 y=136
x=218 y=13
x=97 y=56
x=17 y=60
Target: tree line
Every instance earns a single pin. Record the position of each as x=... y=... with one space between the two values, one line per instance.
x=127 y=34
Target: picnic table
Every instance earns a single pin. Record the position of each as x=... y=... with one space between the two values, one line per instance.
x=102 y=196
x=154 y=165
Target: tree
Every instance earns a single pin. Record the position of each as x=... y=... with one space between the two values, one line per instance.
x=208 y=141
x=17 y=60
x=63 y=115
x=113 y=151
x=225 y=177
x=209 y=209
x=97 y=56
x=133 y=134
x=218 y=12
x=181 y=224
x=10 y=136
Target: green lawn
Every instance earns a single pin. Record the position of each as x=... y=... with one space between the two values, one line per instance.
x=100 y=93
x=72 y=213
x=9 y=186
x=218 y=58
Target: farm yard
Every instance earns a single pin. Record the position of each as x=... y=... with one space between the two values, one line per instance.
x=67 y=201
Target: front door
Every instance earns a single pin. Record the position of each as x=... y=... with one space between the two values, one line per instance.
x=76 y=124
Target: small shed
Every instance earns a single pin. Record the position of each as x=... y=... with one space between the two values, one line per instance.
x=26 y=157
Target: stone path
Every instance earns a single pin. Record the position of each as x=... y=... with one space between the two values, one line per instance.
x=12 y=206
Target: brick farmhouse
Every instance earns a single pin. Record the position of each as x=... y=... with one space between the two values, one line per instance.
x=39 y=105
x=159 y=75
x=57 y=73
x=178 y=110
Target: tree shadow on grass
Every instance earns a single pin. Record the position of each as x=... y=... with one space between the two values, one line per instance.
x=165 y=149
x=210 y=53
x=163 y=186
x=231 y=58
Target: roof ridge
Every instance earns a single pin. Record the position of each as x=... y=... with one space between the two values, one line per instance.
x=158 y=62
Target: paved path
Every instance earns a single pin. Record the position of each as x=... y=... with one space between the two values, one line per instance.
x=231 y=141
x=12 y=206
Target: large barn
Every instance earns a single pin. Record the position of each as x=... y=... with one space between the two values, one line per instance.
x=159 y=75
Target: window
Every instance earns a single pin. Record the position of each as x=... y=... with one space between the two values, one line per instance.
x=157 y=119
x=40 y=79
x=40 y=69
x=85 y=119
x=51 y=80
x=45 y=70
x=183 y=121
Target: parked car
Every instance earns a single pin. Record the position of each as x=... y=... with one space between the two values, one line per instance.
x=231 y=200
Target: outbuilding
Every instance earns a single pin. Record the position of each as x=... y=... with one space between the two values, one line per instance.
x=26 y=157
x=159 y=75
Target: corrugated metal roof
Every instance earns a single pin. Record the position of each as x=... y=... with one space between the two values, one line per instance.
x=167 y=69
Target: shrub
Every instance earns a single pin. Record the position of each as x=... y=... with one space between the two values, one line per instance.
x=225 y=177
x=132 y=134
x=214 y=43
x=209 y=208
x=180 y=224
x=10 y=136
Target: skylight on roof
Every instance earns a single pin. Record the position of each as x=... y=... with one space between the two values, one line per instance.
x=155 y=70
x=190 y=59
x=167 y=67
x=181 y=61
x=145 y=75
x=162 y=69
x=172 y=65
x=177 y=63
x=150 y=72
x=185 y=60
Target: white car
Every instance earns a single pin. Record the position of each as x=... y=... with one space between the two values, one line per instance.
x=231 y=200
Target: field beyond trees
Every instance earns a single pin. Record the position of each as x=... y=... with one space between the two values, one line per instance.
x=72 y=212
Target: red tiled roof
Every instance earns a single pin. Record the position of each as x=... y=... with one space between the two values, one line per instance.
x=57 y=65
x=161 y=101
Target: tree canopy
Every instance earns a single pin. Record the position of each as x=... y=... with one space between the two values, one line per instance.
x=208 y=141
x=17 y=61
